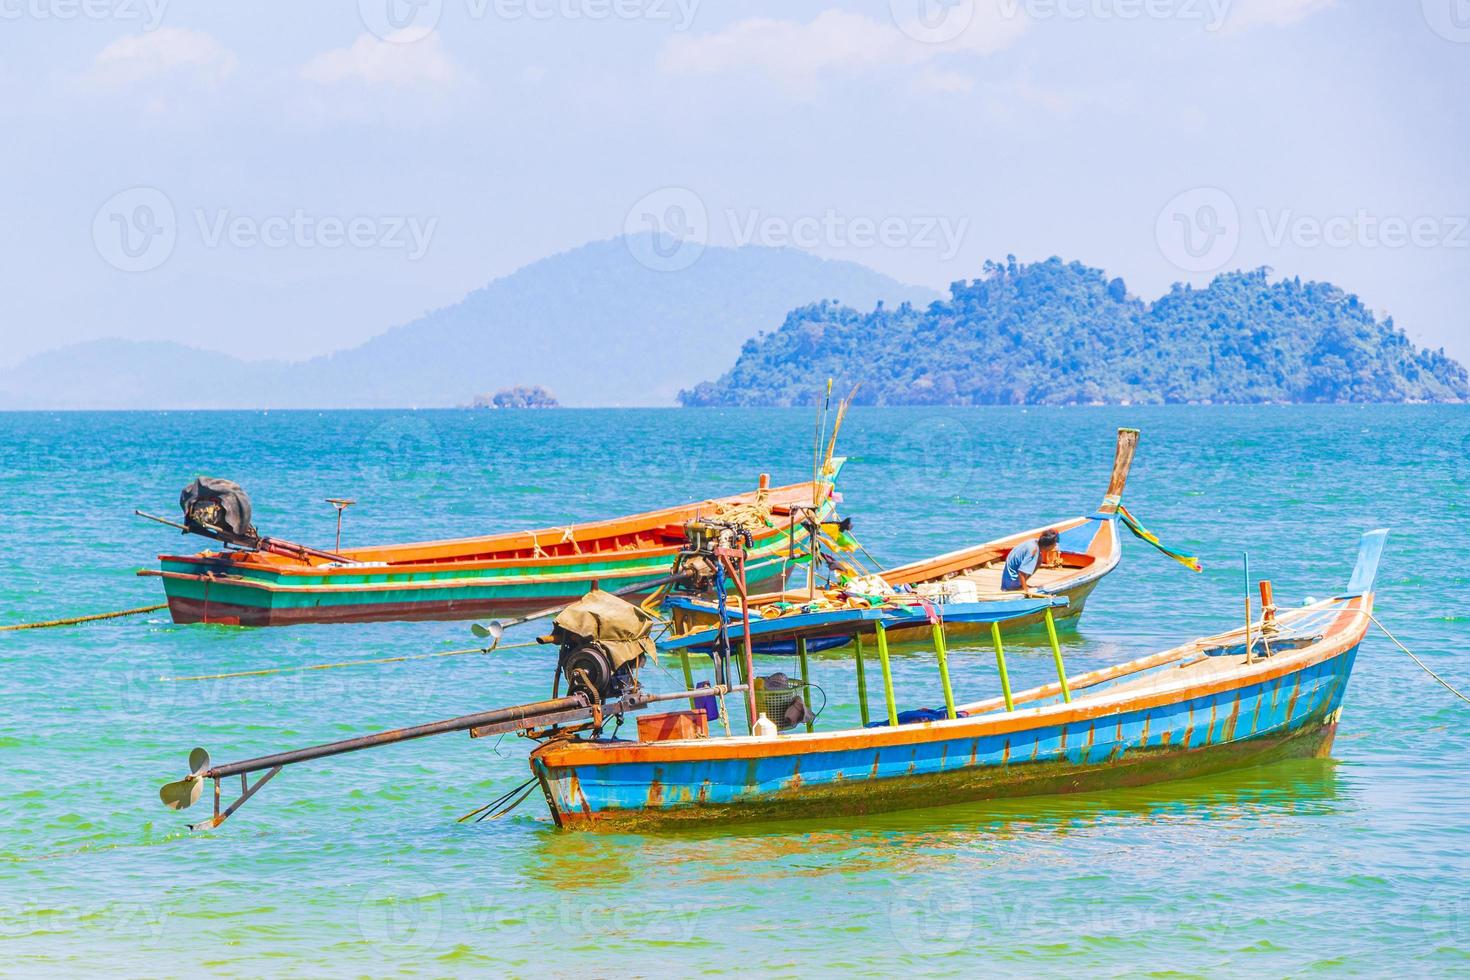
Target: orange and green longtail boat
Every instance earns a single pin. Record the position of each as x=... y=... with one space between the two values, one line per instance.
x=498 y=574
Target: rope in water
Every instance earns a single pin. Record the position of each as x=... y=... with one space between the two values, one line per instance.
x=85 y=619
x=1445 y=684
x=346 y=663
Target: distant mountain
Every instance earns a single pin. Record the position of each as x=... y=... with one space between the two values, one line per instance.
x=1060 y=333
x=592 y=324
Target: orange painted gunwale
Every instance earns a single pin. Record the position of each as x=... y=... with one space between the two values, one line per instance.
x=420 y=556
x=1346 y=631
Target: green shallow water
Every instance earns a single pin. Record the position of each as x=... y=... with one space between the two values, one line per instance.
x=355 y=866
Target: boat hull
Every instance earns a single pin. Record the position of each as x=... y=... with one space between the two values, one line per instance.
x=195 y=597
x=1289 y=715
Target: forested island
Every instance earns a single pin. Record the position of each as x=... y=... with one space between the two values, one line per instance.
x=520 y=396
x=1059 y=333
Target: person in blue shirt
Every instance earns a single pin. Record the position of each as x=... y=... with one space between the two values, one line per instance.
x=1024 y=558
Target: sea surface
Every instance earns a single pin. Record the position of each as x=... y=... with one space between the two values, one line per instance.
x=355 y=866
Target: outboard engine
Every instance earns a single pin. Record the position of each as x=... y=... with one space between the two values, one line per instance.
x=603 y=641
x=218 y=509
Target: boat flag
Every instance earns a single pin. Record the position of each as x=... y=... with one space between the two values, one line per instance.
x=1144 y=534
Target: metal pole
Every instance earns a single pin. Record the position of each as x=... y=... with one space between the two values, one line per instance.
x=1000 y=663
x=887 y=673
x=1248 y=658
x=1056 y=654
x=746 y=651
x=940 y=651
x=862 y=680
x=805 y=676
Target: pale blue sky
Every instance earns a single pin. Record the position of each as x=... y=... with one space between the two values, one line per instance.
x=1326 y=139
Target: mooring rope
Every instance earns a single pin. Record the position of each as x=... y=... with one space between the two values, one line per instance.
x=347 y=663
x=85 y=619
x=1444 y=683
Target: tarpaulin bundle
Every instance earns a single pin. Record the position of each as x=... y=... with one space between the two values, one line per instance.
x=1144 y=534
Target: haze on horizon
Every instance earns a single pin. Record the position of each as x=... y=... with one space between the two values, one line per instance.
x=279 y=182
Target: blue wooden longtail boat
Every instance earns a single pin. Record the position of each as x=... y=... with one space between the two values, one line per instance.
x=1268 y=691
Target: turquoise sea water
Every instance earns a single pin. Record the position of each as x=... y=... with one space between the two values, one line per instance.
x=355 y=865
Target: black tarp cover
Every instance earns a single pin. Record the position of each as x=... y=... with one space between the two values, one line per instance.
x=233 y=500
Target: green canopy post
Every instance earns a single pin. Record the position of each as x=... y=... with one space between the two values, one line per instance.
x=887 y=673
x=1000 y=662
x=688 y=675
x=1056 y=653
x=862 y=679
x=806 y=676
x=941 y=652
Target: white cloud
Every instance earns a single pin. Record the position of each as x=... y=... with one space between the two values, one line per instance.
x=798 y=54
x=1246 y=14
x=169 y=52
x=395 y=63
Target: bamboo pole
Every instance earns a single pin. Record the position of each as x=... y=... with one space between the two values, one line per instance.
x=887 y=673
x=862 y=681
x=688 y=676
x=941 y=652
x=1056 y=653
x=1000 y=663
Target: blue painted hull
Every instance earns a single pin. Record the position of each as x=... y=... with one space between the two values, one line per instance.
x=1291 y=715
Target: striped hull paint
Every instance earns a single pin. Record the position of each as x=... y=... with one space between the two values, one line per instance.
x=1281 y=707
x=462 y=579
x=222 y=601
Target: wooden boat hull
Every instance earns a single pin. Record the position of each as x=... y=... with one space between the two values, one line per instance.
x=234 y=603
x=501 y=574
x=1243 y=714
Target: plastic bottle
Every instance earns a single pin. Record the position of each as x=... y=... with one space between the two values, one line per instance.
x=765 y=727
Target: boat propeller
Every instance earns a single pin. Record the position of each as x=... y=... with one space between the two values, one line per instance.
x=185 y=792
x=493 y=633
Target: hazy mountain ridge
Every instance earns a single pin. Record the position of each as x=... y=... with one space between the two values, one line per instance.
x=1062 y=333
x=591 y=324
